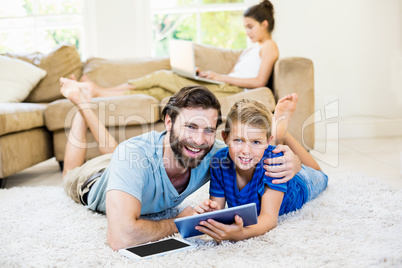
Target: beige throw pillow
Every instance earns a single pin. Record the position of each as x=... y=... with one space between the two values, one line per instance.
x=63 y=61
x=17 y=79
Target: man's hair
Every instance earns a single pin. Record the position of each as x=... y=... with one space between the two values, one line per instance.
x=249 y=112
x=192 y=97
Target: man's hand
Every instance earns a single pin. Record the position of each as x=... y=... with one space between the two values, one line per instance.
x=206 y=206
x=289 y=165
x=220 y=231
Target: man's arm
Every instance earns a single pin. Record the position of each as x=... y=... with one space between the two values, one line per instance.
x=294 y=155
x=125 y=228
x=298 y=149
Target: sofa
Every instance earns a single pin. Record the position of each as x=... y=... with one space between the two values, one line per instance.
x=37 y=128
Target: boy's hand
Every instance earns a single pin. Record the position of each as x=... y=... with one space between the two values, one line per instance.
x=206 y=206
x=289 y=165
x=220 y=231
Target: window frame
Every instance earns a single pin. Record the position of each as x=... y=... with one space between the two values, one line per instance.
x=38 y=23
x=198 y=8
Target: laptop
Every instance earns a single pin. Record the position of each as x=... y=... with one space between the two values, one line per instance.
x=182 y=60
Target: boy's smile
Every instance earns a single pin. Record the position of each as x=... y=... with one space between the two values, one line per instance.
x=246 y=145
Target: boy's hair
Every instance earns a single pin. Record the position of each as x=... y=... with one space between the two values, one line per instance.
x=262 y=11
x=249 y=112
x=192 y=97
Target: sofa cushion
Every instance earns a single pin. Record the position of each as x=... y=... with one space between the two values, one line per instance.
x=16 y=117
x=118 y=111
x=17 y=79
x=109 y=73
x=61 y=62
x=262 y=94
x=215 y=59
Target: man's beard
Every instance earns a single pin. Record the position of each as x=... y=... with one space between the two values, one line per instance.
x=178 y=147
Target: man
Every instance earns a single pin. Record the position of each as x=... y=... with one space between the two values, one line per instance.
x=151 y=172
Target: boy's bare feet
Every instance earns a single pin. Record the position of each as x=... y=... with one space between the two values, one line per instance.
x=284 y=110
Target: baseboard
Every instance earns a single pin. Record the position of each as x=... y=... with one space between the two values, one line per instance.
x=358 y=127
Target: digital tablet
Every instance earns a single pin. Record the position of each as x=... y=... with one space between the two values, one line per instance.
x=186 y=225
x=157 y=248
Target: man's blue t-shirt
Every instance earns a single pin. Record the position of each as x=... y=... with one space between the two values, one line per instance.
x=224 y=184
x=137 y=168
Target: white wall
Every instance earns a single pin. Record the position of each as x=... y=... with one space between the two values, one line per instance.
x=117 y=29
x=356 y=47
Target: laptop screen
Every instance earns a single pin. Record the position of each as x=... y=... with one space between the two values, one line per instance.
x=182 y=58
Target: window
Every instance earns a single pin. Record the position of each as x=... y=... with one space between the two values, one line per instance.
x=211 y=22
x=39 y=25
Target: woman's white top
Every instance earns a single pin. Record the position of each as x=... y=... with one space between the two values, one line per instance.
x=248 y=64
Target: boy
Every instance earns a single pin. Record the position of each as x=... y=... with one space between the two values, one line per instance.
x=237 y=176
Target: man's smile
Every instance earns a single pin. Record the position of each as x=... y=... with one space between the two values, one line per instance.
x=192 y=150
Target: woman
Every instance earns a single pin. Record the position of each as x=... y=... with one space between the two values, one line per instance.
x=252 y=69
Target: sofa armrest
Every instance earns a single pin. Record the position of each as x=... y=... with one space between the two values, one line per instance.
x=296 y=74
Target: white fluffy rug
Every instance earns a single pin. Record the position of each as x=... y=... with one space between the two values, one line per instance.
x=356 y=222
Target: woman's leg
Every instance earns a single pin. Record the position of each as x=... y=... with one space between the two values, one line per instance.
x=166 y=80
x=172 y=82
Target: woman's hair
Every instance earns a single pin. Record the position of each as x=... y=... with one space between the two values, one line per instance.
x=192 y=97
x=261 y=12
x=249 y=112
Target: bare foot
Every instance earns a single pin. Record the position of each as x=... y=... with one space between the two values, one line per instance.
x=87 y=88
x=284 y=110
x=72 y=77
x=71 y=91
x=84 y=78
x=286 y=106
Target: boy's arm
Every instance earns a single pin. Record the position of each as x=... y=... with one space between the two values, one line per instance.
x=270 y=206
x=125 y=228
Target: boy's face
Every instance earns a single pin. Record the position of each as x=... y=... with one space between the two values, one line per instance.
x=193 y=135
x=246 y=145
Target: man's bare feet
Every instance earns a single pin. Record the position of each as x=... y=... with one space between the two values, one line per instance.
x=284 y=110
x=84 y=78
x=71 y=91
x=87 y=88
x=72 y=77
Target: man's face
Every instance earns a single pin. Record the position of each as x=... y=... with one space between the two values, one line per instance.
x=192 y=135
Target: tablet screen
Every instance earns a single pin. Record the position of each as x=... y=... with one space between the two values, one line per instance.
x=186 y=225
x=157 y=247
